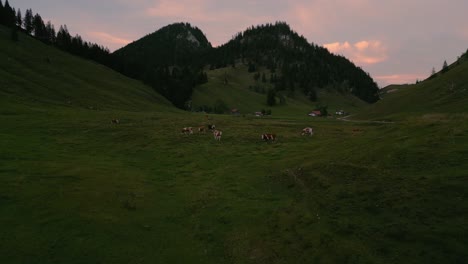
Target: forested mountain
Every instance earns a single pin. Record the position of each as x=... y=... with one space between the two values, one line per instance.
x=170 y=60
x=294 y=63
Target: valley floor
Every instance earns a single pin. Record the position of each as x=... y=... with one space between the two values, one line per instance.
x=75 y=188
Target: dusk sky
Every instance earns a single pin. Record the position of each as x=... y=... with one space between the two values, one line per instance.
x=396 y=41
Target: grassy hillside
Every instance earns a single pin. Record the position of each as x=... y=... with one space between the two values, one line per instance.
x=32 y=72
x=447 y=93
x=247 y=95
x=75 y=188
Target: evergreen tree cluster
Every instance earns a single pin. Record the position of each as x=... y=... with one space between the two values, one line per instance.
x=170 y=60
x=298 y=64
x=35 y=26
x=7 y=14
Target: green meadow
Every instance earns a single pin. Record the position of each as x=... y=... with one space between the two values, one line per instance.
x=237 y=89
x=76 y=188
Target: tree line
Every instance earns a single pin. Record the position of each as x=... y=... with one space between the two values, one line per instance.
x=33 y=25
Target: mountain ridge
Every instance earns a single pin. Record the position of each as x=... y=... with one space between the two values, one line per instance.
x=294 y=63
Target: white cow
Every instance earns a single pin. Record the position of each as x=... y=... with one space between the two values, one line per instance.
x=187 y=131
x=307 y=131
x=217 y=134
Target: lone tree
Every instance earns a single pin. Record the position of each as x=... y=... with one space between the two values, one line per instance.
x=433 y=73
x=19 y=18
x=28 y=21
x=271 y=101
x=8 y=15
x=445 y=67
x=312 y=95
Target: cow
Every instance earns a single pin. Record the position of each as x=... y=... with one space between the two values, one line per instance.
x=269 y=137
x=115 y=121
x=202 y=129
x=217 y=135
x=187 y=130
x=211 y=127
x=307 y=131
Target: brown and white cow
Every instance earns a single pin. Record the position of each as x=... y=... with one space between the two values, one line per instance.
x=202 y=129
x=217 y=134
x=187 y=130
x=269 y=137
x=115 y=121
x=307 y=131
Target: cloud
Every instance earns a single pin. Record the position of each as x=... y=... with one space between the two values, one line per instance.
x=362 y=45
x=166 y=9
x=337 y=47
x=218 y=21
x=110 y=40
x=322 y=18
x=385 y=80
x=193 y=9
x=364 y=52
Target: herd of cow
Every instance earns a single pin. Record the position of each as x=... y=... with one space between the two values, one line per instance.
x=308 y=131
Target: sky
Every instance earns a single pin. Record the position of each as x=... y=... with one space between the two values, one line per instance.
x=395 y=41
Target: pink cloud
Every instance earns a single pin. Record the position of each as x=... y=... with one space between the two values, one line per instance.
x=222 y=24
x=362 y=53
x=110 y=40
x=362 y=45
x=319 y=17
x=337 y=47
x=194 y=9
x=463 y=31
x=385 y=80
x=166 y=9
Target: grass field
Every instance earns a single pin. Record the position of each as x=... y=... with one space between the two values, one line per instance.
x=75 y=188
x=248 y=96
x=447 y=93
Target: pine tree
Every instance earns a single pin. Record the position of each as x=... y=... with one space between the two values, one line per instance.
x=2 y=16
x=251 y=67
x=312 y=95
x=28 y=21
x=19 y=19
x=39 y=27
x=445 y=67
x=63 y=39
x=433 y=72
x=271 y=101
x=50 y=32
x=9 y=15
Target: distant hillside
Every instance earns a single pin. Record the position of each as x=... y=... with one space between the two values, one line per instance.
x=169 y=60
x=393 y=88
x=296 y=64
x=445 y=92
x=32 y=72
x=236 y=88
